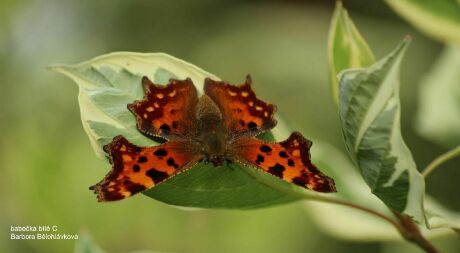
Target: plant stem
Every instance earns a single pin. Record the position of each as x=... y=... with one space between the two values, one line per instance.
x=404 y=224
x=412 y=233
x=364 y=209
x=301 y=193
x=440 y=160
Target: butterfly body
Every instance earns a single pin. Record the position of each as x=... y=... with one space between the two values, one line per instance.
x=218 y=126
x=212 y=134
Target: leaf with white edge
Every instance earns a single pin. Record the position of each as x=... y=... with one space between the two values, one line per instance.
x=366 y=227
x=439 y=216
x=346 y=47
x=109 y=82
x=439 y=100
x=369 y=111
x=439 y=19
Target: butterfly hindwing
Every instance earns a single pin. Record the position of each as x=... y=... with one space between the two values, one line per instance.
x=135 y=169
x=166 y=111
x=288 y=160
x=241 y=110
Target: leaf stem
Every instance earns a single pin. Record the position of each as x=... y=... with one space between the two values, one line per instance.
x=364 y=209
x=404 y=224
x=304 y=194
x=440 y=160
x=412 y=233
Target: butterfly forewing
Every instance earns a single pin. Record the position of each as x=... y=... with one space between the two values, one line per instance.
x=166 y=111
x=242 y=111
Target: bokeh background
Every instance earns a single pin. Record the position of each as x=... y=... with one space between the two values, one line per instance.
x=46 y=161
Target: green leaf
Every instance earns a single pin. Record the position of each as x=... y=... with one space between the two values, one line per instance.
x=346 y=47
x=439 y=19
x=353 y=188
x=439 y=100
x=369 y=110
x=109 y=82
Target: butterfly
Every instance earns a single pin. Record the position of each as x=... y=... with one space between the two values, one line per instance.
x=217 y=127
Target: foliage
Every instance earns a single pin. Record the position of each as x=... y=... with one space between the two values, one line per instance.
x=369 y=108
x=439 y=19
x=369 y=111
x=108 y=83
x=439 y=100
x=347 y=47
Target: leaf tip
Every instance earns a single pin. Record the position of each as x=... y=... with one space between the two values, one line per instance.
x=408 y=38
x=338 y=4
x=52 y=67
x=406 y=41
x=404 y=44
x=58 y=68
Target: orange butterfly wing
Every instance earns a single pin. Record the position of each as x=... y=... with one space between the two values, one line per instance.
x=166 y=111
x=288 y=160
x=135 y=169
x=241 y=110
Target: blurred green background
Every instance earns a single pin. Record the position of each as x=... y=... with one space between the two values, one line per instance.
x=47 y=163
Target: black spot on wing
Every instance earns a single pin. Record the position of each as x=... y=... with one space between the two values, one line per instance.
x=276 y=170
x=291 y=163
x=260 y=159
x=283 y=154
x=265 y=148
x=165 y=127
x=156 y=175
x=252 y=125
x=142 y=159
x=160 y=152
x=172 y=163
x=136 y=168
